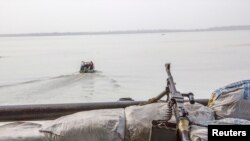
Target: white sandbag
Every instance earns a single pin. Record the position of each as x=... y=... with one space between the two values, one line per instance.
x=139 y=120
x=198 y=113
x=230 y=121
x=198 y=133
x=232 y=101
x=94 y=125
x=21 y=131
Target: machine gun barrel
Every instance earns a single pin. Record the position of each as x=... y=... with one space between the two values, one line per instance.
x=170 y=80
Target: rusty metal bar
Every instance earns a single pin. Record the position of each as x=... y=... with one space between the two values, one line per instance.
x=52 y=111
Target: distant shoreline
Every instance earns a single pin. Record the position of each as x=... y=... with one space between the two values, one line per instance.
x=224 y=28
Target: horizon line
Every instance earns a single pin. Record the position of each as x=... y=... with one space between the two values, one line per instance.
x=215 y=28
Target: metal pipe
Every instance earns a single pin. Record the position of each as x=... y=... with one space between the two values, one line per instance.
x=52 y=111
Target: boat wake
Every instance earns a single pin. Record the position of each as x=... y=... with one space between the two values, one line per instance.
x=63 y=79
x=34 y=81
x=74 y=87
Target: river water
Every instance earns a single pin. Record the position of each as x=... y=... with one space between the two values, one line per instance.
x=41 y=70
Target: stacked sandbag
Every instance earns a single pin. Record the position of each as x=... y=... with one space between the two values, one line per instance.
x=230 y=121
x=232 y=101
x=94 y=125
x=21 y=131
x=139 y=120
x=199 y=133
x=199 y=114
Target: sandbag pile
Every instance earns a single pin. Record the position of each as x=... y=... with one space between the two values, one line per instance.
x=21 y=131
x=199 y=133
x=232 y=101
x=231 y=106
x=139 y=119
x=199 y=114
x=111 y=124
x=94 y=125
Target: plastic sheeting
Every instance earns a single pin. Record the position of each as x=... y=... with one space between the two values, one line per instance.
x=232 y=101
x=95 y=125
x=21 y=131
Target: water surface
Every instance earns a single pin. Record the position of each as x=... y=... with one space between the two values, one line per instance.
x=35 y=70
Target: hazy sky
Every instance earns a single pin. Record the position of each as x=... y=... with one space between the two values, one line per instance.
x=25 y=16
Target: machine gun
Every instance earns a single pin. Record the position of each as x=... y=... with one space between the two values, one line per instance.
x=175 y=101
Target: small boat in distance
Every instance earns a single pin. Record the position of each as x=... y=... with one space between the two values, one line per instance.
x=87 y=67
